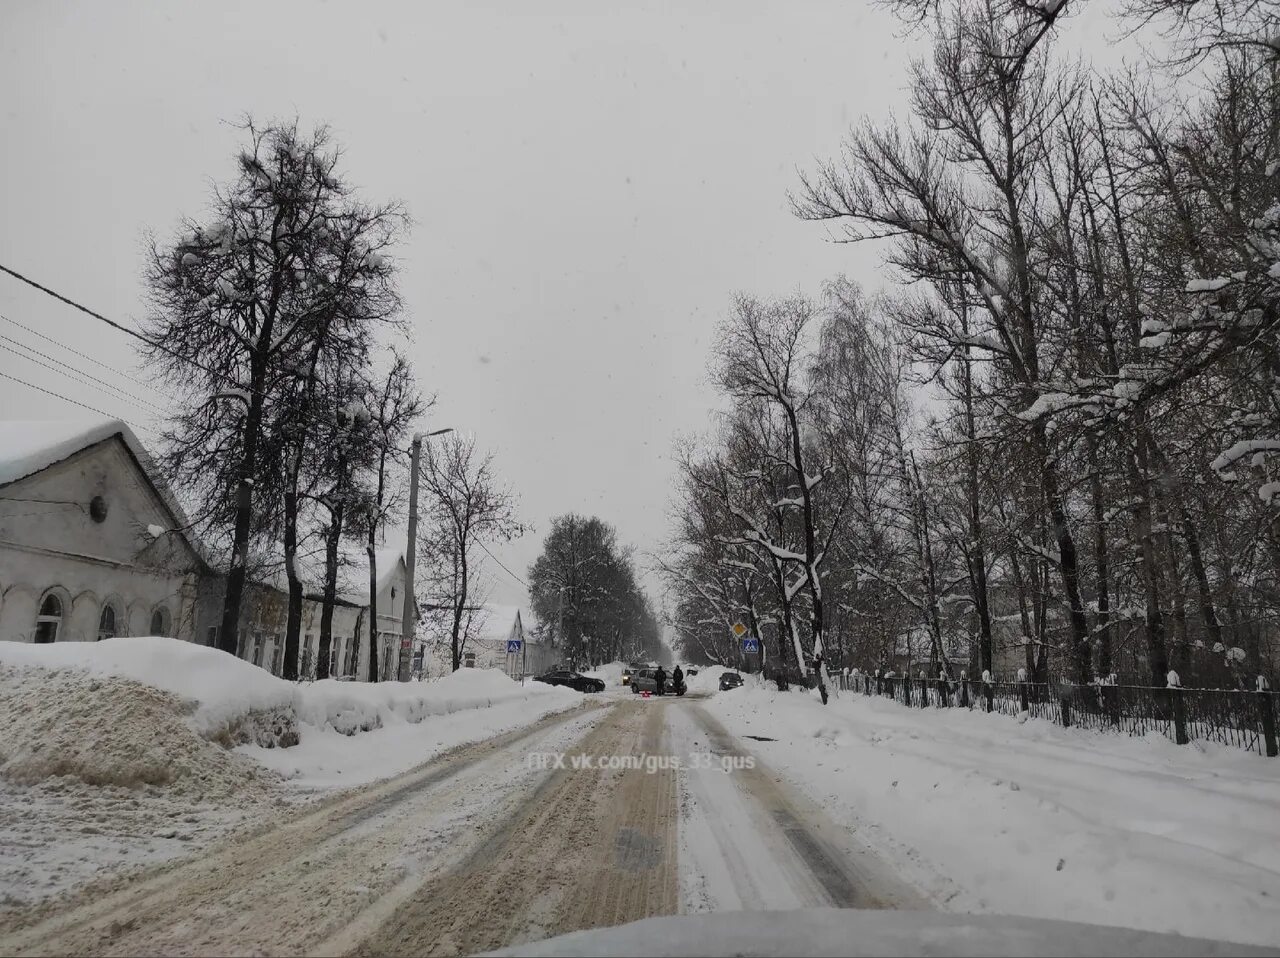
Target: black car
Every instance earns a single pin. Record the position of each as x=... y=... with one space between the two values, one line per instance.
x=730 y=680
x=572 y=680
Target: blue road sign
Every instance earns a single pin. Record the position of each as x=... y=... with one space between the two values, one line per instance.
x=514 y=645
x=751 y=645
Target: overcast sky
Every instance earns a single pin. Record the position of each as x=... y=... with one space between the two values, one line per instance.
x=590 y=184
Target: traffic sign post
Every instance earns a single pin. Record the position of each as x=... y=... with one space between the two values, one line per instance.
x=751 y=646
x=515 y=647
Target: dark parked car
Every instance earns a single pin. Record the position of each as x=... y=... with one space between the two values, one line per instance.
x=572 y=680
x=730 y=680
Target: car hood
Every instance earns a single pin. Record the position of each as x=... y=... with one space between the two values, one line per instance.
x=831 y=931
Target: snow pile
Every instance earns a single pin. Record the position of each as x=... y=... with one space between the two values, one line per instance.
x=990 y=816
x=220 y=690
x=108 y=731
x=99 y=773
x=350 y=707
x=707 y=679
x=234 y=702
x=610 y=673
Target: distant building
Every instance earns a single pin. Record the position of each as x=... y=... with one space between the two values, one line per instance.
x=265 y=610
x=495 y=627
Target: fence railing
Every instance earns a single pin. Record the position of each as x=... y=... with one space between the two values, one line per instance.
x=1237 y=718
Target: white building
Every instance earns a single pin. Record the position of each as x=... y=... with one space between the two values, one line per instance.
x=495 y=626
x=265 y=611
x=92 y=544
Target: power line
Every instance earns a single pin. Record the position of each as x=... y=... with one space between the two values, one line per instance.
x=57 y=395
x=63 y=372
x=114 y=325
x=499 y=561
x=63 y=368
x=74 y=352
x=217 y=374
x=72 y=303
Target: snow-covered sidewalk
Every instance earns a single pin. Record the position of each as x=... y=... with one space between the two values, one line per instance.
x=988 y=814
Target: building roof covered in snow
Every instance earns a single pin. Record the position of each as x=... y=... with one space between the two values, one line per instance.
x=353 y=573
x=31 y=446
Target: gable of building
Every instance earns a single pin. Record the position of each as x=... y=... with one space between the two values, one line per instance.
x=98 y=504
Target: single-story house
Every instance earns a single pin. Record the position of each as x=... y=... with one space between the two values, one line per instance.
x=92 y=543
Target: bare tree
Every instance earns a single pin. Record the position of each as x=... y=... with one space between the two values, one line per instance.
x=468 y=508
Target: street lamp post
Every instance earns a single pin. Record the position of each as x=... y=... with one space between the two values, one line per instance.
x=411 y=556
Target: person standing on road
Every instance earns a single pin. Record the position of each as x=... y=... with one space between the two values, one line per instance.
x=659 y=680
x=677 y=679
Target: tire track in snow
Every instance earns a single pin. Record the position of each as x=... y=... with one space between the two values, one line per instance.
x=757 y=844
x=591 y=847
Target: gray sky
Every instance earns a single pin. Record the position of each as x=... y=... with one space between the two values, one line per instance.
x=589 y=184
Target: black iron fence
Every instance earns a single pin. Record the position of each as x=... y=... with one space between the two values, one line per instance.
x=1241 y=719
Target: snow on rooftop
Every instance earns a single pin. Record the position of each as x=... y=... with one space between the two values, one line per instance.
x=28 y=446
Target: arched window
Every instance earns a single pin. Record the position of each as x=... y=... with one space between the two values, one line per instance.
x=160 y=621
x=49 y=620
x=107 y=622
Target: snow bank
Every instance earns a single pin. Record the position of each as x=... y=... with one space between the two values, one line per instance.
x=116 y=754
x=993 y=816
x=99 y=773
x=707 y=679
x=220 y=688
x=108 y=731
x=235 y=702
x=610 y=673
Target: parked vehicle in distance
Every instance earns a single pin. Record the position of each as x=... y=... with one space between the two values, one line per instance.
x=631 y=669
x=730 y=680
x=691 y=671
x=572 y=680
x=644 y=681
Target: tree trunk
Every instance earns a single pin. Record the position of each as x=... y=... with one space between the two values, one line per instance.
x=1157 y=649
x=1068 y=563
x=293 y=625
x=1101 y=570
x=460 y=603
x=373 y=604
x=333 y=538
x=229 y=635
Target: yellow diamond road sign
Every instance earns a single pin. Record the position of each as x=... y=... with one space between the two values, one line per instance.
x=739 y=629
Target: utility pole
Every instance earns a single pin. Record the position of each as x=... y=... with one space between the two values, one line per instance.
x=411 y=556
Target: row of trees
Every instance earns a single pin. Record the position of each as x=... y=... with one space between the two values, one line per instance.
x=270 y=322
x=1060 y=434
x=584 y=591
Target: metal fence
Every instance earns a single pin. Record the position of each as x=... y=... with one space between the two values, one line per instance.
x=1237 y=718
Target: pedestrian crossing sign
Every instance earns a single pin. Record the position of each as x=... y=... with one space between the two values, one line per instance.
x=514 y=645
x=751 y=645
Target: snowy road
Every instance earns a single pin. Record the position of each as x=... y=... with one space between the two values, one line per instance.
x=484 y=848
x=748 y=842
